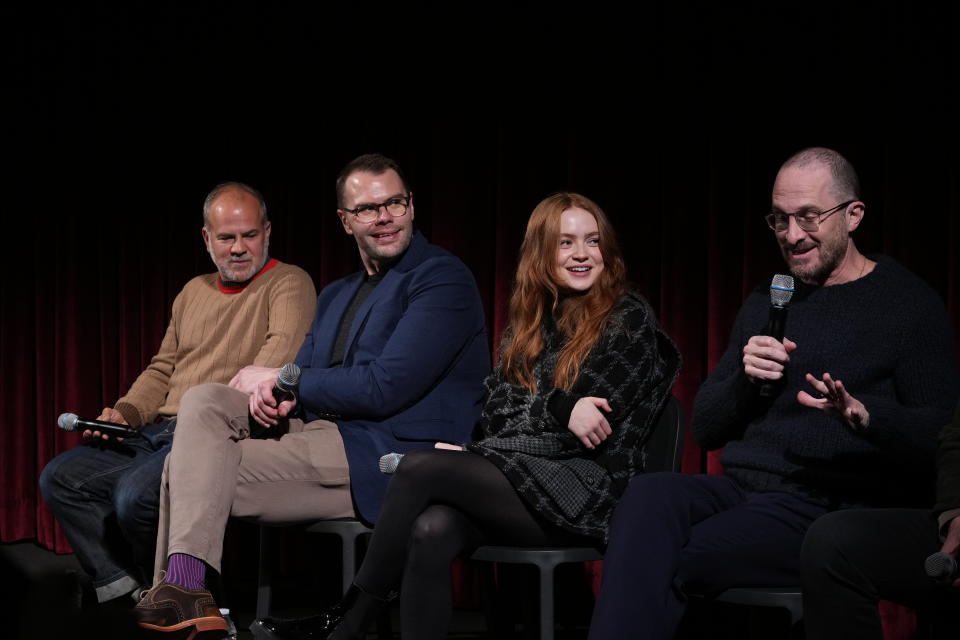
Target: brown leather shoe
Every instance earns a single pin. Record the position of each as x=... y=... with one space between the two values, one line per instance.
x=168 y=608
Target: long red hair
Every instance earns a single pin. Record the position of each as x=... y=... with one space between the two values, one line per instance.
x=538 y=291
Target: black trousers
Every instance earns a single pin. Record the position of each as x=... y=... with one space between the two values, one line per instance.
x=852 y=559
x=439 y=505
x=674 y=533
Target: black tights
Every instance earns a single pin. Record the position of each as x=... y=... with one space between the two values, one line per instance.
x=439 y=505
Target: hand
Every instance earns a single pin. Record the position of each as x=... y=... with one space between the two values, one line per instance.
x=835 y=401
x=587 y=423
x=952 y=543
x=764 y=357
x=263 y=406
x=249 y=377
x=450 y=447
x=108 y=414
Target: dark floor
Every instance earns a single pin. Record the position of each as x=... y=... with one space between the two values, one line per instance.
x=45 y=595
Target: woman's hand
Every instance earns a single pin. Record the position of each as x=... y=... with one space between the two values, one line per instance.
x=450 y=447
x=588 y=423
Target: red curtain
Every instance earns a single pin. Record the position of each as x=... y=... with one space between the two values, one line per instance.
x=103 y=253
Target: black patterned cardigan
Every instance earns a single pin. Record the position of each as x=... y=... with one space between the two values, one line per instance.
x=633 y=366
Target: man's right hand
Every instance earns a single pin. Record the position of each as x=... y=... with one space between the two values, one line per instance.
x=249 y=377
x=108 y=414
x=263 y=406
x=764 y=357
x=951 y=545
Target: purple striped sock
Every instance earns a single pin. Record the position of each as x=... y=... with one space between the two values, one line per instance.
x=186 y=571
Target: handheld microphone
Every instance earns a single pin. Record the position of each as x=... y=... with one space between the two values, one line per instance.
x=285 y=388
x=288 y=380
x=941 y=567
x=781 y=290
x=390 y=462
x=70 y=422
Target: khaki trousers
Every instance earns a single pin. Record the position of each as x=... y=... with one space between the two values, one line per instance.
x=214 y=471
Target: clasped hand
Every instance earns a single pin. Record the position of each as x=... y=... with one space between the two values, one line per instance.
x=588 y=423
x=264 y=407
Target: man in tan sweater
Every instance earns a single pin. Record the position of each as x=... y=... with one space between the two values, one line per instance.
x=253 y=311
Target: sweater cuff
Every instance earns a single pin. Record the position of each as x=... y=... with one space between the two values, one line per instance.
x=944 y=519
x=130 y=413
x=560 y=405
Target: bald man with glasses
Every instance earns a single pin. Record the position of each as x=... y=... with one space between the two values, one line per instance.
x=843 y=411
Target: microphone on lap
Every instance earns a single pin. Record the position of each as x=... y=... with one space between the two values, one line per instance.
x=941 y=567
x=70 y=422
x=781 y=291
x=389 y=462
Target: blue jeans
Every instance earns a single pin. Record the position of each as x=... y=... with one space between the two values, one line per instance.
x=106 y=497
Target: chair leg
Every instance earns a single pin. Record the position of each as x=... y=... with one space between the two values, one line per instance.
x=265 y=573
x=349 y=561
x=546 y=602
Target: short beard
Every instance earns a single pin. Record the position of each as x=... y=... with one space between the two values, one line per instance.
x=830 y=258
x=227 y=277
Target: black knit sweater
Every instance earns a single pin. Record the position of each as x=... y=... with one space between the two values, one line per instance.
x=884 y=335
x=633 y=366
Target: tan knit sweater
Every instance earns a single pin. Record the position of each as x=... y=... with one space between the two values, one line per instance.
x=213 y=334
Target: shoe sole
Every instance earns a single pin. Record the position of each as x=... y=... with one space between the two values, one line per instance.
x=198 y=625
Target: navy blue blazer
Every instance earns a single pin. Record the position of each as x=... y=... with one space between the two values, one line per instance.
x=413 y=368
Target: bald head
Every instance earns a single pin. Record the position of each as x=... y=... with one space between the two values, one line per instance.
x=844 y=182
x=235 y=191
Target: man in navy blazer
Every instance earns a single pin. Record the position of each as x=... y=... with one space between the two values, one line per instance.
x=394 y=361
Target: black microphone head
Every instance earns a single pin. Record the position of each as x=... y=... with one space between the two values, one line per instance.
x=781 y=290
x=289 y=377
x=940 y=566
x=67 y=421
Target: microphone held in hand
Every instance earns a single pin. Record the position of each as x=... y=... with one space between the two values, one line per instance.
x=941 y=567
x=781 y=290
x=288 y=380
x=70 y=422
x=285 y=388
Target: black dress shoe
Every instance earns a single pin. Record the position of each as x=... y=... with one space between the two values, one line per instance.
x=311 y=628
x=360 y=608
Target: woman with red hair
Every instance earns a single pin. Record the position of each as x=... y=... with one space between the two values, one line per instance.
x=583 y=374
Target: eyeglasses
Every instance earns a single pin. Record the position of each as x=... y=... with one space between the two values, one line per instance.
x=396 y=207
x=806 y=220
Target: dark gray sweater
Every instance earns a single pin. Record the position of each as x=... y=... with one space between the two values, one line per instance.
x=886 y=336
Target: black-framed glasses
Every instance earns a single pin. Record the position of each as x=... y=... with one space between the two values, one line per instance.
x=396 y=206
x=806 y=220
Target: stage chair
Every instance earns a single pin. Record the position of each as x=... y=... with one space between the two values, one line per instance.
x=347 y=529
x=664 y=452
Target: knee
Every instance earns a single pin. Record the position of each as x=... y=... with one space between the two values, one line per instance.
x=54 y=481
x=435 y=532
x=647 y=489
x=136 y=506
x=830 y=541
x=201 y=395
